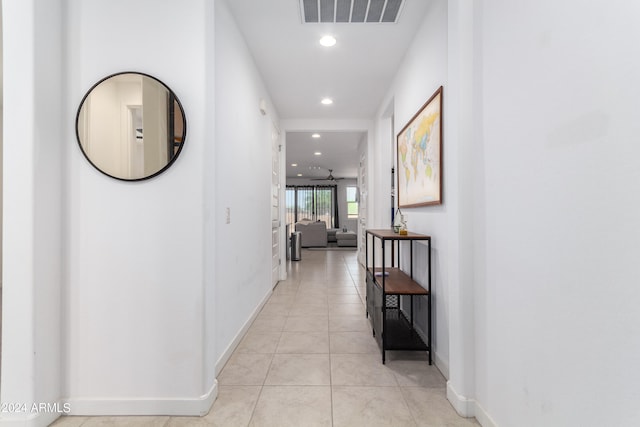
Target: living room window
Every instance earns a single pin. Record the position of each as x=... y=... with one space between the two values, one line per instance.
x=314 y=202
x=352 y=202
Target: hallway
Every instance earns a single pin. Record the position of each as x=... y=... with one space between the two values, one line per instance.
x=309 y=359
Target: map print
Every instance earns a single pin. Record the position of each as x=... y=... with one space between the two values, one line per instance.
x=419 y=148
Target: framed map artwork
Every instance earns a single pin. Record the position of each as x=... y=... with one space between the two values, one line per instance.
x=420 y=156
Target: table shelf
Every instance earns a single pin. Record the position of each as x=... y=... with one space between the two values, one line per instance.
x=392 y=328
x=398 y=282
x=400 y=333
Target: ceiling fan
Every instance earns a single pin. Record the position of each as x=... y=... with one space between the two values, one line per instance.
x=328 y=178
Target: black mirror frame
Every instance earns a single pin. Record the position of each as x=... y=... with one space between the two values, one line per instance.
x=184 y=130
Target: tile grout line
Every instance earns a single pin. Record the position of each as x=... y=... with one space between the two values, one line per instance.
x=330 y=371
x=287 y=315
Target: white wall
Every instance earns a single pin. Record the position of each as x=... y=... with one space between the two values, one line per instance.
x=243 y=185
x=423 y=70
x=535 y=240
x=133 y=299
x=462 y=123
x=559 y=318
x=210 y=202
x=1 y=191
x=113 y=288
x=32 y=208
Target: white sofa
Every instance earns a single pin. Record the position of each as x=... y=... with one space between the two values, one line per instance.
x=313 y=233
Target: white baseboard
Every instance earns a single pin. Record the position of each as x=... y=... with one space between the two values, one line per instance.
x=28 y=420
x=468 y=408
x=483 y=417
x=198 y=406
x=464 y=406
x=224 y=357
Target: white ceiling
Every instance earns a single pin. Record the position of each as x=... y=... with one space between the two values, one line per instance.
x=339 y=153
x=298 y=71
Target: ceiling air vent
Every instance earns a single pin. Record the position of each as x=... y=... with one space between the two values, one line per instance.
x=345 y=11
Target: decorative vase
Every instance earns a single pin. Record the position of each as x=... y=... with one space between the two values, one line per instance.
x=397 y=221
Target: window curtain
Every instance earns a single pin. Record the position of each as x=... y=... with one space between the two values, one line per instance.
x=313 y=202
x=305 y=203
x=336 y=219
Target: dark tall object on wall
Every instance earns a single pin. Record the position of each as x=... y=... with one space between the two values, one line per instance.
x=393 y=194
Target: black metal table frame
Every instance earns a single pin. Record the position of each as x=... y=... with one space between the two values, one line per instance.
x=395 y=253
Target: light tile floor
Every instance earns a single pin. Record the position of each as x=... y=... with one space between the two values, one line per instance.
x=309 y=359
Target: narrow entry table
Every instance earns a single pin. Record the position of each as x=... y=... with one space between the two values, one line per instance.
x=385 y=286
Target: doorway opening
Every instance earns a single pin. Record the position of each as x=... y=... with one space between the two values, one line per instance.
x=136 y=141
x=323 y=177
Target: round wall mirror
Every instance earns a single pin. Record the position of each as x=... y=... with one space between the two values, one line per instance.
x=131 y=126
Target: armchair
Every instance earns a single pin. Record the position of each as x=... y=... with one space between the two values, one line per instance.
x=313 y=233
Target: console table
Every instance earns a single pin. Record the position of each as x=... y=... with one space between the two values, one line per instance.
x=393 y=329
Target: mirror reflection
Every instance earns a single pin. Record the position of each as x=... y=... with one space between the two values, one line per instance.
x=130 y=126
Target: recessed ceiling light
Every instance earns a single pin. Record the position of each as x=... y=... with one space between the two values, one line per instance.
x=328 y=41
x=294 y=164
x=299 y=174
x=327 y=101
x=317 y=153
x=315 y=135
